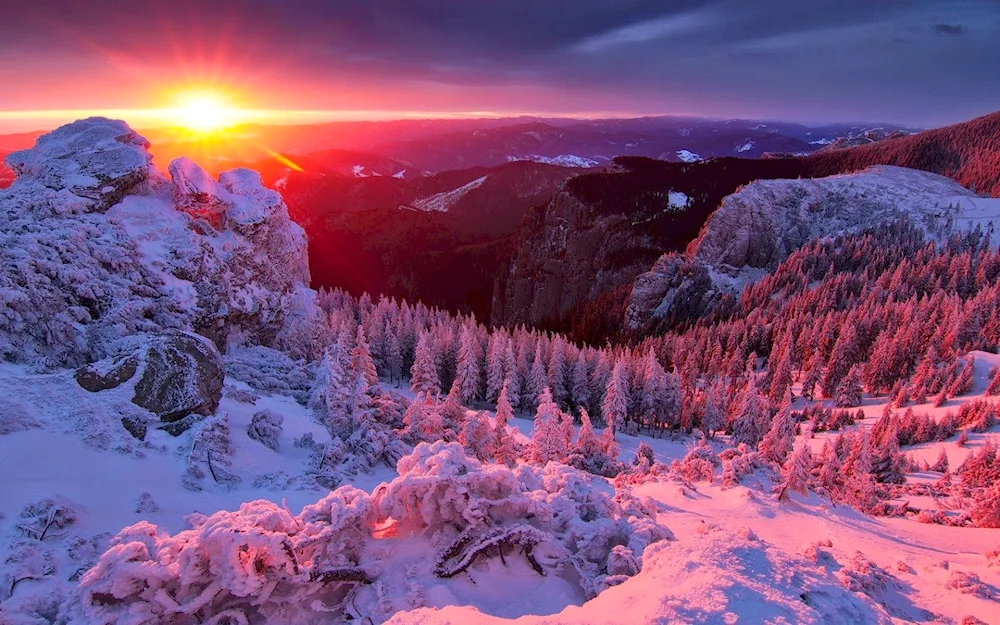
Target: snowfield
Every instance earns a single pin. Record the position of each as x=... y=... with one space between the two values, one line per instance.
x=562 y=160
x=441 y=202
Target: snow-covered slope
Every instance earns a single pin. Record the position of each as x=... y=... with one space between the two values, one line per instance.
x=441 y=202
x=562 y=160
x=757 y=227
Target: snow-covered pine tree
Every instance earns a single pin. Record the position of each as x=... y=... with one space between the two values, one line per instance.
x=849 y=392
x=512 y=376
x=780 y=438
x=362 y=362
x=580 y=387
x=713 y=417
x=548 y=442
x=614 y=409
x=537 y=380
x=467 y=368
x=495 y=364
x=781 y=376
x=424 y=373
x=751 y=415
x=504 y=451
x=393 y=355
x=796 y=472
x=556 y=372
x=660 y=398
x=477 y=436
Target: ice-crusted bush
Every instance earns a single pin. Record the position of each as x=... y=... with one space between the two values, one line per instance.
x=698 y=464
x=862 y=575
x=969 y=584
x=259 y=562
x=210 y=455
x=263 y=564
x=265 y=428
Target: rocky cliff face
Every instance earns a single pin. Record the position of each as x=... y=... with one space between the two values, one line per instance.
x=569 y=252
x=757 y=227
x=602 y=230
x=97 y=245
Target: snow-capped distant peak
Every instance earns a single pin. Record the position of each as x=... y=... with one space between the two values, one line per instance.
x=563 y=160
x=746 y=146
x=359 y=171
x=399 y=174
x=441 y=202
x=688 y=157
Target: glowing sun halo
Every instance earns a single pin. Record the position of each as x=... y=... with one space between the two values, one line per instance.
x=204 y=113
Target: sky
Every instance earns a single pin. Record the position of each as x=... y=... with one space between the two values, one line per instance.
x=911 y=62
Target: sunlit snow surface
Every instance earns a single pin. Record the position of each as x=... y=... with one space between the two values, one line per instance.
x=738 y=551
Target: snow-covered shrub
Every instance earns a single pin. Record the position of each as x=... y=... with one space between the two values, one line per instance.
x=262 y=564
x=698 y=464
x=258 y=563
x=862 y=575
x=210 y=455
x=145 y=504
x=265 y=428
x=40 y=519
x=968 y=584
x=737 y=463
x=241 y=395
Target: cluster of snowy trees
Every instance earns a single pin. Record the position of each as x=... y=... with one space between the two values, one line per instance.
x=883 y=311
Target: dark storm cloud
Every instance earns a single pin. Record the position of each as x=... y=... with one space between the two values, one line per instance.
x=908 y=60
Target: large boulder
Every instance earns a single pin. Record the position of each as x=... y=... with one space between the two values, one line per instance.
x=172 y=375
x=98 y=159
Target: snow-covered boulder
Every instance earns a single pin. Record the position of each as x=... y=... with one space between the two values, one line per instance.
x=756 y=228
x=99 y=159
x=173 y=375
x=96 y=245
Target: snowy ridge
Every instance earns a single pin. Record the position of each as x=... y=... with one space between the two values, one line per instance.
x=441 y=202
x=563 y=160
x=757 y=227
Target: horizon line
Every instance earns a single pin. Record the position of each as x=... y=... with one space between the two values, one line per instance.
x=43 y=118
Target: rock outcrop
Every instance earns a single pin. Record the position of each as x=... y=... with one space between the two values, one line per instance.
x=96 y=245
x=757 y=227
x=172 y=375
x=99 y=159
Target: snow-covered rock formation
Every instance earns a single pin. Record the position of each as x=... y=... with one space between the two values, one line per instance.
x=97 y=245
x=757 y=227
x=172 y=375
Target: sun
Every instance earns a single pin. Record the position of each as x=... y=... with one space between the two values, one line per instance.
x=203 y=112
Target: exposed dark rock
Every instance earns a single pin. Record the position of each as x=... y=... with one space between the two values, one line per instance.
x=173 y=375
